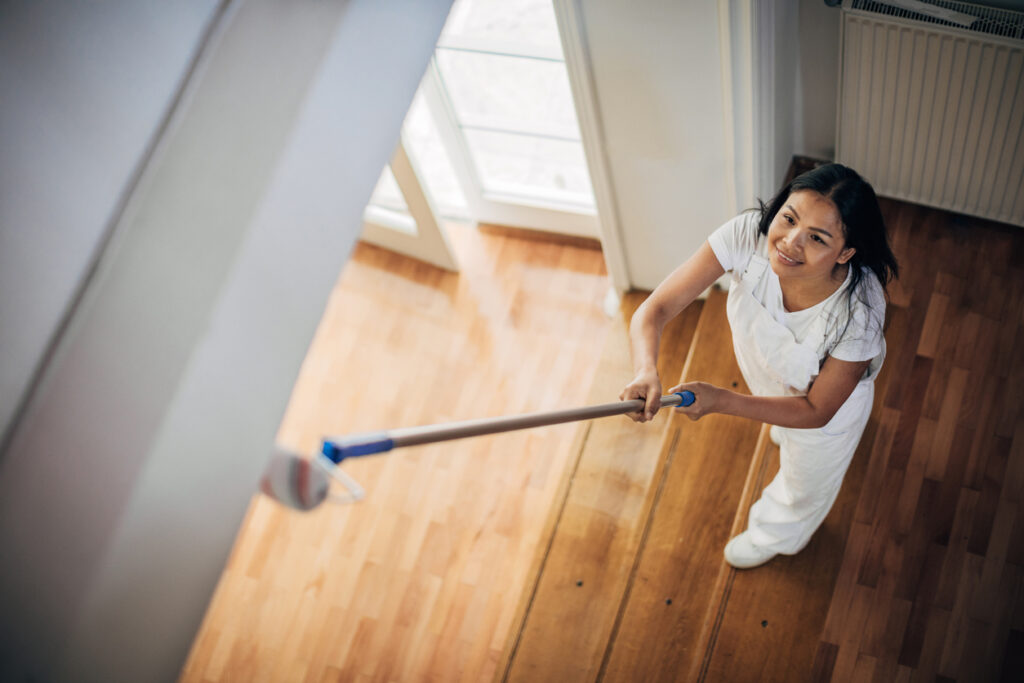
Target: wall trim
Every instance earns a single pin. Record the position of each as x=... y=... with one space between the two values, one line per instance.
x=764 y=70
x=581 y=79
x=736 y=36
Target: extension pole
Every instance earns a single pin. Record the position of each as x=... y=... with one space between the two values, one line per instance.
x=337 y=449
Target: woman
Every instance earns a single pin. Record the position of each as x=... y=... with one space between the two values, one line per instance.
x=806 y=307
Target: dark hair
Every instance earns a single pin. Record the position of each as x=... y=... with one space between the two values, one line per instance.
x=863 y=225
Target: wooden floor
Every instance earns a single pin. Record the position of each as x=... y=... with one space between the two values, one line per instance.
x=421 y=580
x=918 y=572
x=593 y=551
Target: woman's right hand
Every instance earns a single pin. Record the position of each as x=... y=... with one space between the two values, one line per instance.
x=645 y=385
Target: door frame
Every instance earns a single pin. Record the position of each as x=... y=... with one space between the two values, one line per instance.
x=418 y=234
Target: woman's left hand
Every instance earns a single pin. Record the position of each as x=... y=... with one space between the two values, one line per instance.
x=707 y=399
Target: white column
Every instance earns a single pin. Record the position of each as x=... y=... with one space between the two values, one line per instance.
x=129 y=473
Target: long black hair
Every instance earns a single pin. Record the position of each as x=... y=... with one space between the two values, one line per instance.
x=863 y=225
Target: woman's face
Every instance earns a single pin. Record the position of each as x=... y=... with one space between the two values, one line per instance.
x=806 y=238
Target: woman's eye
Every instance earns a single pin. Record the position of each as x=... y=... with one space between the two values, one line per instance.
x=789 y=219
x=817 y=239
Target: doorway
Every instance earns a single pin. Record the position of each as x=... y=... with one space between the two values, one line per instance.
x=491 y=137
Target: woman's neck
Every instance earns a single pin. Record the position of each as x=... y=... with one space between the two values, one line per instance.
x=798 y=294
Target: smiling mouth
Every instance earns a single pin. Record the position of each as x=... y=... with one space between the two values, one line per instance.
x=788 y=261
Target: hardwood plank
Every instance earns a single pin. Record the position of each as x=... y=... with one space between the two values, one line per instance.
x=913 y=550
x=936 y=391
x=960 y=622
x=901 y=323
x=957 y=550
x=933 y=328
x=932 y=638
x=879 y=463
x=1007 y=345
x=422 y=566
x=786 y=647
x=887 y=616
x=1012 y=396
x=851 y=637
x=983 y=436
x=863 y=669
x=765 y=459
x=1013 y=486
x=690 y=523
x=895 y=614
x=973 y=664
x=910 y=411
x=951 y=489
x=981 y=357
x=871 y=563
x=842 y=595
x=922 y=613
x=947 y=421
x=915 y=568
x=1012 y=666
x=968 y=341
x=824 y=662
x=988 y=503
x=443 y=564
x=988 y=604
x=585 y=567
x=955 y=321
x=918 y=462
x=1015 y=554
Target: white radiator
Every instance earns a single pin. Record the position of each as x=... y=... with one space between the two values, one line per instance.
x=933 y=113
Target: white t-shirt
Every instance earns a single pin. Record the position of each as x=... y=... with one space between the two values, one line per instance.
x=862 y=339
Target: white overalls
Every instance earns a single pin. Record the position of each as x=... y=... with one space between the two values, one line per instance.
x=812 y=461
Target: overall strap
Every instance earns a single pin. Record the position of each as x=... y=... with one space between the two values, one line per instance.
x=755 y=269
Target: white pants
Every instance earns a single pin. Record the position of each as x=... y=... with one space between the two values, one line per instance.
x=812 y=464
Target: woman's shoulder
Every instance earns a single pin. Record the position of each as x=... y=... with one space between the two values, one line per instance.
x=857 y=321
x=870 y=294
x=736 y=239
x=867 y=304
x=746 y=223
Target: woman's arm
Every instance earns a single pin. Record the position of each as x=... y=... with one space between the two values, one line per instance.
x=666 y=302
x=834 y=384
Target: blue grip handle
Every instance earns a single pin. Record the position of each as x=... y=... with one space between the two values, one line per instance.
x=338 y=452
x=686 y=398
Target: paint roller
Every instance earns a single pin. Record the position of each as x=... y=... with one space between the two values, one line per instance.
x=303 y=484
x=294 y=481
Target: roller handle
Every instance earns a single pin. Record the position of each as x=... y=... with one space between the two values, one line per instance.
x=354 y=445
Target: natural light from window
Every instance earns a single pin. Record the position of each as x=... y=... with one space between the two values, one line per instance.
x=497 y=123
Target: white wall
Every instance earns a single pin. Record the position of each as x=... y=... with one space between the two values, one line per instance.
x=702 y=107
x=85 y=86
x=127 y=477
x=701 y=111
x=818 y=26
x=778 y=125
x=657 y=78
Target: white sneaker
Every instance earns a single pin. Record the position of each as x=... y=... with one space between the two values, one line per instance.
x=775 y=434
x=741 y=553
